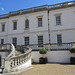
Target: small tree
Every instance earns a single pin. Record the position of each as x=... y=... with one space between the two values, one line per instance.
x=72 y=50
x=43 y=51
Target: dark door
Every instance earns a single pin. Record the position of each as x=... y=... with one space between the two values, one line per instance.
x=0 y=60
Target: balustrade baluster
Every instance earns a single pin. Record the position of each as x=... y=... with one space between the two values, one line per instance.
x=67 y=46
x=11 y=63
x=17 y=61
x=14 y=61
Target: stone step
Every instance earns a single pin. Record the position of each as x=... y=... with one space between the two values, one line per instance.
x=17 y=53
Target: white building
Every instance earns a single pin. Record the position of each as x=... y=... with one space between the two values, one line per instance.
x=39 y=25
x=49 y=22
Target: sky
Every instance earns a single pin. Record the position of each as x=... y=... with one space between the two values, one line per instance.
x=7 y=6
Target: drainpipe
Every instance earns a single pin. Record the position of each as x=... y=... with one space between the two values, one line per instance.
x=48 y=23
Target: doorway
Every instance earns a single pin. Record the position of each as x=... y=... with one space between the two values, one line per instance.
x=0 y=60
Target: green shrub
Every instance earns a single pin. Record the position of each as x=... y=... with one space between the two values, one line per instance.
x=72 y=50
x=43 y=51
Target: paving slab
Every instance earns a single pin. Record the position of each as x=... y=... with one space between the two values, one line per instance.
x=50 y=69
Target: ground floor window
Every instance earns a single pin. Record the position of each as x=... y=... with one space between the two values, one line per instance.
x=26 y=39
x=14 y=41
x=0 y=60
x=40 y=40
x=59 y=38
x=2 y=41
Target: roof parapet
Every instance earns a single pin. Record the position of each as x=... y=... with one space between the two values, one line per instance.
x=65 y=4
x=39 y=8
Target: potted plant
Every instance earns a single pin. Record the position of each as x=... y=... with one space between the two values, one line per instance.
x=43 y=59
x=72 y=50
x=72 y=59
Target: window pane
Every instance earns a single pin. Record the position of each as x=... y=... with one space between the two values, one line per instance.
x=14 y=25
x=3 y=27
x=26 y=40
x=14 y=41
x=40 y=41
x=39 y=22
x=27 y=24
x=2 y=41
x=58 y=20
x=59 y=39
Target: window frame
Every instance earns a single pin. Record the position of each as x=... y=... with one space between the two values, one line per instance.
x=58 y=20
x=41 y=21
x=3 y=29
x=26 y=24
x=26 y=42
x=59 y=40
x=2 y=41
x=14 y=27
x=14 y=41
x=40 y=41
x=58 y=15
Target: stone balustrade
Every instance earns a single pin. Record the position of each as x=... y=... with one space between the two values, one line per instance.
x=39 y=8
x=9 y=63
x=52 y=46
x=20 y=59
x=5 y=47
x=65 y=4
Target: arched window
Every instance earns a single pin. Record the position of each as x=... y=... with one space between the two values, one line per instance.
x=27 y=23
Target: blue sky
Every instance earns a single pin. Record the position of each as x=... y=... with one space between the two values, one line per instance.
x=7 y=6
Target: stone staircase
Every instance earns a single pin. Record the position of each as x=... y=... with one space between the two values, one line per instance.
x=17 y=60
x=17 y=52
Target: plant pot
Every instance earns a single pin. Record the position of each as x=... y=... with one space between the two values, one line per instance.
x=72 y=60
x=43 y=60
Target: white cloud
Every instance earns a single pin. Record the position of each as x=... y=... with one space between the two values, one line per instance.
x=2 y=9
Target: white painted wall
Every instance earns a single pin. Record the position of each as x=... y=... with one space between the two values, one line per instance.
x=3 y=54
x=21 y=32
x=33 y=25
x=54 y=56
x=67 y=36
x=67 y=18
x=67 y=27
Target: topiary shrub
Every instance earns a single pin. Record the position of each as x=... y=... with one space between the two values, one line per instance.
x=72 y=50
x=43 y=51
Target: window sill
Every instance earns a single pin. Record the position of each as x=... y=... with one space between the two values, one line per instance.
x=2 y=31
x=59 y=25
x=14 y=30
x=39 y=27
x=26 y=28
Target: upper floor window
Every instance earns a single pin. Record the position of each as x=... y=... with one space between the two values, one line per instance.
x=3 y=27
x=58 y=20
x=59 y=38
x=2 y=41
x=40 y=22
x=26 y=40
x=27 y=23
x=14 y=25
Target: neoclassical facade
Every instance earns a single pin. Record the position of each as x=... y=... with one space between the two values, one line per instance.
x=39 y=25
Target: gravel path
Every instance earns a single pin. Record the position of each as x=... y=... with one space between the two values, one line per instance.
x=50 y=69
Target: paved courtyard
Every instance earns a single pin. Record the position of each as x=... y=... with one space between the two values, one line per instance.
x=50 y=69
